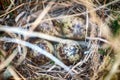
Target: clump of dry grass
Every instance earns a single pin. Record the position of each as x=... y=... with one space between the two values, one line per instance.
x=26 y=16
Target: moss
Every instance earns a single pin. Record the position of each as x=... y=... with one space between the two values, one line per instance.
x=101 y=51
x=0 y=53
x=115 y=27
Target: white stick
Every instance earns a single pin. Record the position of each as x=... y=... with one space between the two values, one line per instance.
x=34 y=34
x=34 y=47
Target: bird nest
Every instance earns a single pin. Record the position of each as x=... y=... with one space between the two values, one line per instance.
x=56 y=40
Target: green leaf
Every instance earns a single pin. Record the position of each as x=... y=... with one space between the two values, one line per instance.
x=52 y=62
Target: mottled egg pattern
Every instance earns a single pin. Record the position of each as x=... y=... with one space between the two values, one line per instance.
x=69 y=53
x=74 y=28
x=45 y=45
x=49 y=28
x=71 y=28
x=38 y=58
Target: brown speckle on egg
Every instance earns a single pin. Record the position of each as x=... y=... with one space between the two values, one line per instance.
x=69 y=53
x=74 y=28
x=37 y=57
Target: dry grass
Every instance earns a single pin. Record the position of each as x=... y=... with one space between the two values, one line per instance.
x=19 y=27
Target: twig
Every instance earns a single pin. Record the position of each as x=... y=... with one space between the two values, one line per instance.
x=34 y=34
x=12 y=10
x=96 y=38
x=8 y=60
x=36 y=48
x=51 y=68
x=60 y=17
x=41 y=16
x=13 y=73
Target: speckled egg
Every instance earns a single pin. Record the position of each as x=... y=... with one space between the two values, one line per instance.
x=74 y=28
x=69 y=53
x=37 y=57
